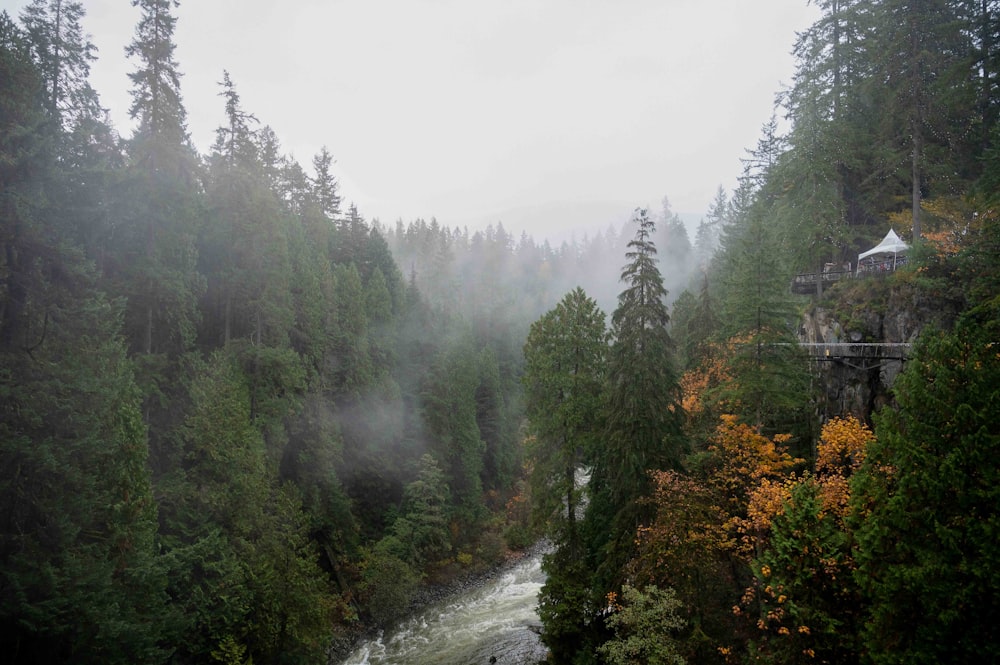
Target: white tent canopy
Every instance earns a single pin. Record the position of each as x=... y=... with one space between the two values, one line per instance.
x=891 y=244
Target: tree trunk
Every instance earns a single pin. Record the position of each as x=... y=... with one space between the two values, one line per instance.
x=149 y=325
x=916 y=122
x=915 y=174
x=570 y=508
x=227 y=316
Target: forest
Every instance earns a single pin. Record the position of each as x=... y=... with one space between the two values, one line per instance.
x=240 y=422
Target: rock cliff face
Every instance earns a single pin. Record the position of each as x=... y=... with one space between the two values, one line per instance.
x=860 y=382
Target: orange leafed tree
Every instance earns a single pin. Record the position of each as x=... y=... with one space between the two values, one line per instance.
x=804 y=591
x=698 y=539
x=686 y=547
x=700 y=383
x=841 y=450
x=746 y=460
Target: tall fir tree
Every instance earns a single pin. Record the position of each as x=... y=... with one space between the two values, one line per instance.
x=87 y=150
x=832 y=135
x=79 y=579
x=565 y=356
x=156 y=84
x=154 y=210
x=710 y=230
x=925 y=503
x=244 y=239
x=64 y=54
x=564 y=379
x=922 y=69
x=157 y=205
x=770 y=381
x=644 y=416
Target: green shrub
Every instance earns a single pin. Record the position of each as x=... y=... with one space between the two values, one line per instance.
x=387 y=587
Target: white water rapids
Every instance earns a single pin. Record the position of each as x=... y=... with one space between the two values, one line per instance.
x=494 y=619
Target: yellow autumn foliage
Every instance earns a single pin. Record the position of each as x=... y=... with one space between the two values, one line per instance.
x=842 y=445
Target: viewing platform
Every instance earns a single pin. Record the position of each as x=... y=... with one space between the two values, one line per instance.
x=883 y=259
x=805 y=283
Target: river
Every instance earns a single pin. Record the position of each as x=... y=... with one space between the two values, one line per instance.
x=494 y=619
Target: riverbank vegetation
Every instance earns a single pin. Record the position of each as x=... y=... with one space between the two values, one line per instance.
x=231 y=428
x=239 y=421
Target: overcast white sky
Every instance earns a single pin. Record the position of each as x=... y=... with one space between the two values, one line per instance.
x=542 y=114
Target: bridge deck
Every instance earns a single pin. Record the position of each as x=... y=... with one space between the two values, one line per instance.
x=842 y=350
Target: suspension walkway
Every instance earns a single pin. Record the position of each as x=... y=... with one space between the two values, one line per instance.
x=859 y=355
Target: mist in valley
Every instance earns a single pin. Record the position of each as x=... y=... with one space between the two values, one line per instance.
x=311 y=314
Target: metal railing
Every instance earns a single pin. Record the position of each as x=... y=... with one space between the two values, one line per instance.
x=805 y=283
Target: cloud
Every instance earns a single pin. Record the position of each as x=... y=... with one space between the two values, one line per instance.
x=457 y=109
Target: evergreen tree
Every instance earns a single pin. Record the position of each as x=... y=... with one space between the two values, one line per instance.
x=26 y=156
x=694 y=324
x=833 y=133
x=684 y=307
x=565 y=357
x=235 y=141
x=324 y=186
x=64 y=54
x=312 y=287
x=710 y=230
x=501 y=459
x=770 y=379
x=351 y=239
x=565 y=606
x=824 y=145
x=449 y=409
x=922 y=70
x=78 y=578
x=156 y=91
x=926 y=503
x=643 y=430
x=154 y=257
x=244 y=244
x=229 y=526
x=311 y=459
x=353 y=371
x=80 y=582
x=77 y=131
x=982 y=26
x=422 y=527
x=676 y=252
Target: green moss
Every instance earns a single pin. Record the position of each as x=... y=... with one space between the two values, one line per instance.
x=862 y=305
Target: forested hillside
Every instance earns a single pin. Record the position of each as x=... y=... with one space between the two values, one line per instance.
x=729 y=520
x=239 y=422
x=231 y=428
